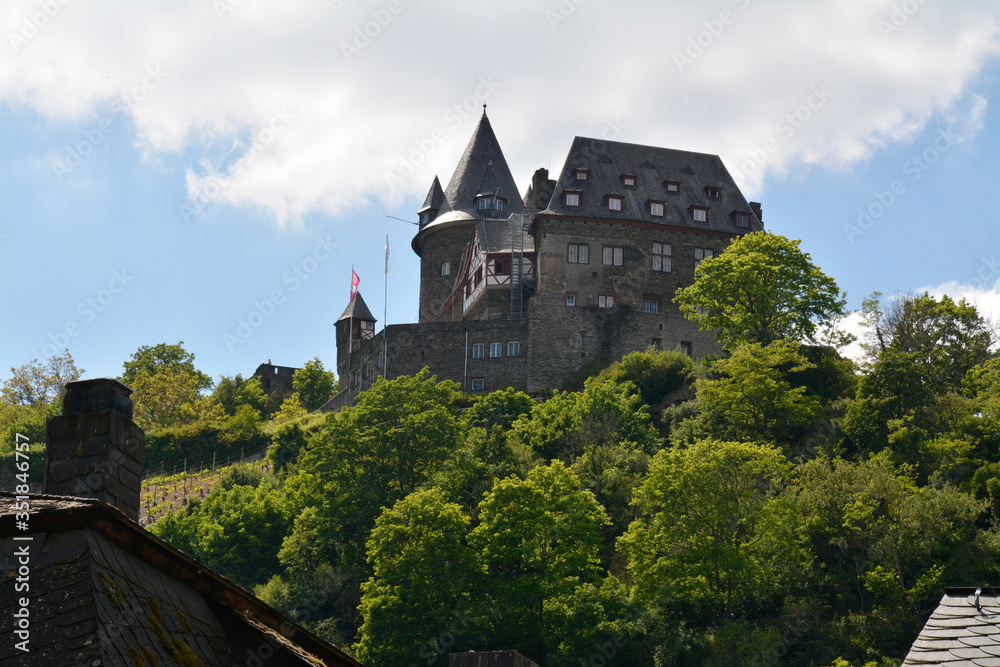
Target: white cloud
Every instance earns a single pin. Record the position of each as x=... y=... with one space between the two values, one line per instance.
x=364 y=108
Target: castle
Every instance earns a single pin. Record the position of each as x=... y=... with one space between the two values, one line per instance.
x=522 y=291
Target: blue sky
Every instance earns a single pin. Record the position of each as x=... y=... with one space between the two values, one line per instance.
x=211 y=171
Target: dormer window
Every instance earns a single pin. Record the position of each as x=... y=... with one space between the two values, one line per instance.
x=699 y=214
x=713 y=192
x=628 y=180
x=673 y=187
x=657 y=209
x=581 y=174
x=615 y=202
x=571 y=198
x=742 y=219
x=489 y=202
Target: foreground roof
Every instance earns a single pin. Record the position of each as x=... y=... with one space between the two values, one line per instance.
x=964 y=631
x=106 y=591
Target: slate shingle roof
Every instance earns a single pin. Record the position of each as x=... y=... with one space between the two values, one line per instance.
x=482 y=170
x=495 y=236
x=608 y=161
x=104 y=591
x=960 y=634
x=357 y=309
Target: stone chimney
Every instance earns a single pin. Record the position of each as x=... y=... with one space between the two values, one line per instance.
x=94 y=449
x=755 y=206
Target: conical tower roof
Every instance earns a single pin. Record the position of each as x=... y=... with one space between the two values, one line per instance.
x=435 y=199
x=357 y=309
x=482 y=166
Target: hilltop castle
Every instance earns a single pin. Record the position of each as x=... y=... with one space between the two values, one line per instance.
x=522 y=291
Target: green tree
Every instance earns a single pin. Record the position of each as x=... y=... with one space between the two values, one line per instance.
x=423 y=576
x=715 y=538
x=314 y=384
x=747 y=395
x=163 y=358
x=37 y=384
x=232 y=392
x=656 y=374
x=537 y=540
x=500 y=409
x=760 y=289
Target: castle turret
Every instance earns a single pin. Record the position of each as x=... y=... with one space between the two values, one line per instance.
x=355 y=326
x=481 y=187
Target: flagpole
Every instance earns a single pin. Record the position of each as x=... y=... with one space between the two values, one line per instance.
x=350 y=338
x=385 y=320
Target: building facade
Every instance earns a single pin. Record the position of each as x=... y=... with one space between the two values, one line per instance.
x=522 y=291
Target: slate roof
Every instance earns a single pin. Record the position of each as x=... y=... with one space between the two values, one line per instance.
x=959 y=633
x=482 y=170
x=495 y=236
x=357 y=309
x=103 y=590
x=435 y=197
x=608 y=161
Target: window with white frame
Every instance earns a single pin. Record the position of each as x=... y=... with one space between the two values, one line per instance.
x=357 y=378
x=571 y=198
x=628 y=180
x=484 y=204
x=662 y=257
x=613 y=255
x=581 y=174
x=514 y=348
x=478 y=384
x=570 y=298
x=496 y=350
x=699 y=214
x=578 y=253
x=614 y=203
x=673 y=187
x=742 y=219
x=606 y=301
x=713 y=192
x=478 y=350
x=651 y=304
x=702 y=253
x=380 y=361
x=657 y=209
x=445 y=268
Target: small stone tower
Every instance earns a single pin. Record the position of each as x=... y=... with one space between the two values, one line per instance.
x=481 y=187
x=355 y=326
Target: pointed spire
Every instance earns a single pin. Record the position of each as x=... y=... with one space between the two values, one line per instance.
x=358 y=310
x=434 y=197
x=482 y=165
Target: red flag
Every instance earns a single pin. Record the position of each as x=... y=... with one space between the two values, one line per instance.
x=355 y=279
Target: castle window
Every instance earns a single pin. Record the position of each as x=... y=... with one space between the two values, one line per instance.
x=381 y=358
x=613 y=256
x=571 y=197
x=699 y=214
x=656 y=209
x=615 y=202
x=662 y=259
x=606 y=301
x=514 y=348
x=628 y=180
x=570 y=298
x=498 y=204
x=496 y=350
x=657 y=343
x=673 y=187
x=479 y=276
x=483 y=204
x=367 y=370
x=478 y=384
x=446 y=268
x=501 y=267
x=357 y=378
x=702 y=253
x=713 y=192
x=581 y=174
x=477 y=350
x=742 y=219
x=578 y=253
x=686 y=348
x=651 y=304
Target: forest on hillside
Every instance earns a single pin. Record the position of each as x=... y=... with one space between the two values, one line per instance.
x=778 y=504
